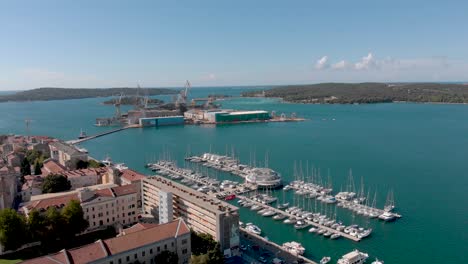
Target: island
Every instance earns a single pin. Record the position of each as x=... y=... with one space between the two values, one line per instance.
x=49 y=93
x=365 y=93
x=133 y=100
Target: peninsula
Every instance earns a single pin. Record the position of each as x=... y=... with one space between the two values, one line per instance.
x=49 y=93
x=364 y=93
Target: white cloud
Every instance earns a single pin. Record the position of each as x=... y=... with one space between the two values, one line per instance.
x=365 y=63
x=322 y=63
x=341 y=65
x=211 y=76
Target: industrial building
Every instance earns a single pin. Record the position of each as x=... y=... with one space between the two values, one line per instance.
x=226 y=116
x=201 y=212
x=161 y=121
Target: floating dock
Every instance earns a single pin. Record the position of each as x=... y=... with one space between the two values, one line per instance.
x=278 y=211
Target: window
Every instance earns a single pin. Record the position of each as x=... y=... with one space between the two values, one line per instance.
x=120 y=261
x=165 y=247
x=111 y=262
x=184 y=241
x=136 y=256
x=172 y=244
x=143 y=253
x=159 y=249
x=184 y=251
x=128 y=258
x=151 y=251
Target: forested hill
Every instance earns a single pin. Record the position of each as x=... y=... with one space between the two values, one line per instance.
x=45 y=94
x=348 y=93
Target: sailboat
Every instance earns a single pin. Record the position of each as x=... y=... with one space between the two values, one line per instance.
x=282 y=205
x=390 y=203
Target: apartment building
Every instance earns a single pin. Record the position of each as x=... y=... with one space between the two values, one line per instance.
x=201 y=212
x=115 y=206
x=141 y=244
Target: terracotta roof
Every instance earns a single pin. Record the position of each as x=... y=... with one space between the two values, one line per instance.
x=52 y=166
x=53 y=201
x=138 y=227
x=84 y=172
x=101 y=249
x=124 y=190
x=146 y=236
x=132 y=175
x=64 y=147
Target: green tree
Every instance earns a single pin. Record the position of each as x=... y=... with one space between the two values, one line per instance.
x=37 y=168
x=199 y=259
x=81 y=164
x=166 y=257
x=94 y=164
x=36 y=225
x=25 y=167
x=12 y=229
x=73 y=216
x=55 y=226
x=201 y=243
x=55 y=183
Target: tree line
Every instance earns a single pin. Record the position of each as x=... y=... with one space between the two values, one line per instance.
x=349 y=93
x=52 y=227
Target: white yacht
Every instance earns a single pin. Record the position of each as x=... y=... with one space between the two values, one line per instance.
x=253 y=229
x=294 y=248
x=387 y=216
x=376 y=261
x=279 y=217
x=121 y=166
x=353 y=257
x=325 y=260
x=269 y=213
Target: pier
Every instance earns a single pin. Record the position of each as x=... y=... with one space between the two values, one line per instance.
x=278 y=211
x=78 y=141
x=272 y=247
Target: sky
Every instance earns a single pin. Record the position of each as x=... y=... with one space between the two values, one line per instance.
x=87 y=44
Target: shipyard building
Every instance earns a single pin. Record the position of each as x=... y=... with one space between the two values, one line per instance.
x=226 y=116
x=201 y=213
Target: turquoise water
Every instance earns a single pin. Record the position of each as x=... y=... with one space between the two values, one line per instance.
x=419 y=150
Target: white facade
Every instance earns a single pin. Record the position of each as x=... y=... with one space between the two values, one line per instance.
x=165 y=207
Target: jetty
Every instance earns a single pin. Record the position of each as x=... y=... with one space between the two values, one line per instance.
x=278 y=211
x=80 y=140
x=273 y=247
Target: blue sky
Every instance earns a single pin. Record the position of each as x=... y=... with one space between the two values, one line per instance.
x=162 y=43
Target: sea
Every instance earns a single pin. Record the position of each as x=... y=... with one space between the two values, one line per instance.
x=420 y=151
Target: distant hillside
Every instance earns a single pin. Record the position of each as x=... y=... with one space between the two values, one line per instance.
x=348 y=93
x=132 y=100
x=45 y=94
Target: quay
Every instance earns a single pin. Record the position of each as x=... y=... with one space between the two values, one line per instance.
x=77 y=141
x=240 y=189
x=278 y=211
x=272 y=247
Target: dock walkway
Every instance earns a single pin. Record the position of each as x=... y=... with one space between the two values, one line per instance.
x=343 y=234
x=273 y=247
x=78 y=141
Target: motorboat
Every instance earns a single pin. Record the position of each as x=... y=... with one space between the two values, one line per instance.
x=327 y=234
x=364 y=233
x=376 y=261
x=335 y=236
x=253 y=229
x=353 y=257
x=255 y=207
x=387 y=217
x=269 y=213
x=121 y=166
x=301 y=225
x=279 y=217
x=294 y=248
x=325 y=260
x=290 y=221
x=312 y=230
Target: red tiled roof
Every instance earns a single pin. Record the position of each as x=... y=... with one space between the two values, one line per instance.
x=132 y=175
x=138 y=227
x=52 y=166
x=101 y=249
x=124 y=190
x=53 y=201
x=84 y=172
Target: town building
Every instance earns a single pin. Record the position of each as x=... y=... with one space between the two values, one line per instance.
x=31 y=187
x=66 y=154
x=139 y=244
x=8 y=185
x=201 y=212
x=114 y=206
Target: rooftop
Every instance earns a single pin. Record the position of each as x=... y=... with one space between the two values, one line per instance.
x=191 y=195
x=104 y=248
x=132 y=175
x=67 y=148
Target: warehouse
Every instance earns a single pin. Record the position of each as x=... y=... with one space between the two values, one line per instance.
x=242 y=116
x=161 y=121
